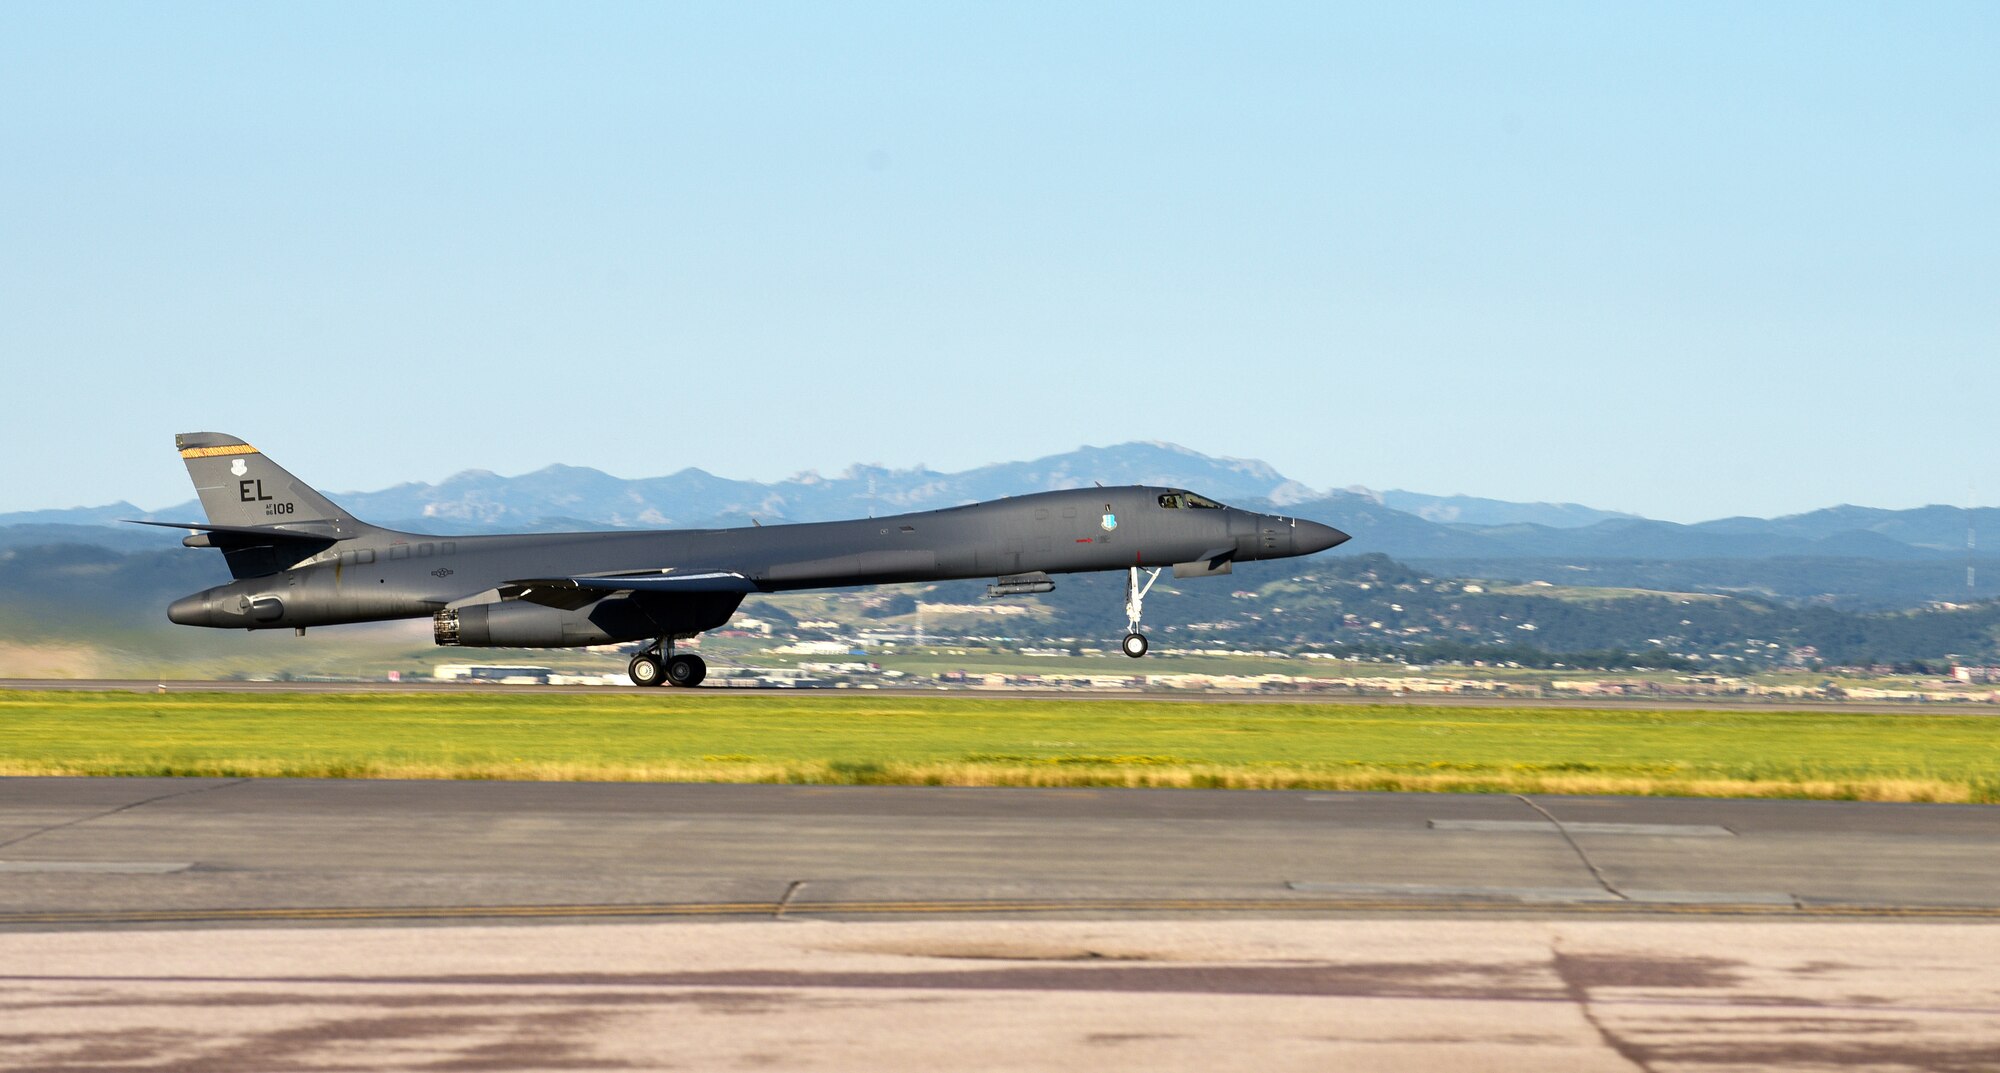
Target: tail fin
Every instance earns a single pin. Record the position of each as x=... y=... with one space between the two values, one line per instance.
x=240 y=486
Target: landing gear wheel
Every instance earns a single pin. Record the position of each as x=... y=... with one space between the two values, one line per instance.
x=1135 y=645
x=687 y=670
x=645 y=670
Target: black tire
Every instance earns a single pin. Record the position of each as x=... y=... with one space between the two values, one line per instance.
x=645 y=670
x=1135 y=645
x=686 y=670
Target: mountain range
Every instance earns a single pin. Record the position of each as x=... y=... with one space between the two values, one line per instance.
x=1473 y=534
x=482 y=501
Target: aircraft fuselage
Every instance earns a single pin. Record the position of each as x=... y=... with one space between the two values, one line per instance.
x=383 y=574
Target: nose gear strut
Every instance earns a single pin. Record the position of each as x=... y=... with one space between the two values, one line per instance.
x=1135 y=598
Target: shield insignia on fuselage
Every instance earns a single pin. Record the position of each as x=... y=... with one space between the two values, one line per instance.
x=1110 y=522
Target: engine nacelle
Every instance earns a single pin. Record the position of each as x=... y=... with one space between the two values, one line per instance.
x=518 y=624
x=612 y=620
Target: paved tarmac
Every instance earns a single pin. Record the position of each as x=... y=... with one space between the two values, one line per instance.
x=667 y=695
x=294 y=925
x=92 y=852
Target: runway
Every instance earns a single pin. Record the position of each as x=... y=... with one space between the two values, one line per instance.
x=156 y=924
x=666 y=695
x=123 y=852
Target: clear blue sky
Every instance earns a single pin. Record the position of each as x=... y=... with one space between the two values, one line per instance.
x=1682 y=259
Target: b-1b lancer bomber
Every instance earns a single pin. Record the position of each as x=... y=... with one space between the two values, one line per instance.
x=299 y=560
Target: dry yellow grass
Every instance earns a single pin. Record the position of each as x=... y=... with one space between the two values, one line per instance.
x=859 y=739
x=1175 y=777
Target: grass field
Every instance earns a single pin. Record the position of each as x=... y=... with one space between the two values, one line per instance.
x=850 y=738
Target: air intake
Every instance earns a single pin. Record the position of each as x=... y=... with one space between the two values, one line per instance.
x=444 y=627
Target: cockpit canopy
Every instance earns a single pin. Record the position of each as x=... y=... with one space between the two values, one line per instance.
x=1179 y=500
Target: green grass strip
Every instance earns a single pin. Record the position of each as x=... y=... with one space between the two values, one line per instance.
x=855 y=738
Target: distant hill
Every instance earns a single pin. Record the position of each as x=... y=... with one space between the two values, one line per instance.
x=1473 y=510
x=107 y=515
x=1938 y=528
x=1378 y=527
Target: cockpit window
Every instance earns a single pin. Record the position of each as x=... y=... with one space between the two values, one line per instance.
x=1200 y=503
x=1171 y=501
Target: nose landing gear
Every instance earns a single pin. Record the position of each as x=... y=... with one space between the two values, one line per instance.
x=658 y=666
x=1135 y=644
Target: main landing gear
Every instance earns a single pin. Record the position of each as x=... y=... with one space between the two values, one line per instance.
x=1135 y=598
x=658 y=666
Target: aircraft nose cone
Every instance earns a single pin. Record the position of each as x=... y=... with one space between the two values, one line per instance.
x=1312 y=537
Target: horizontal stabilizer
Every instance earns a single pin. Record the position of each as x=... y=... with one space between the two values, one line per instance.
x=314 y=532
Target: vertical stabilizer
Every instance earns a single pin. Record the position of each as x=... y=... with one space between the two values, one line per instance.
x=239 y=485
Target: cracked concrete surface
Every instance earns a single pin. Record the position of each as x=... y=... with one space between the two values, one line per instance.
x=1458 y=995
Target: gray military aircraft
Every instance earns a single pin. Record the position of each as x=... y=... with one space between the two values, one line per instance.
x=299 y=561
